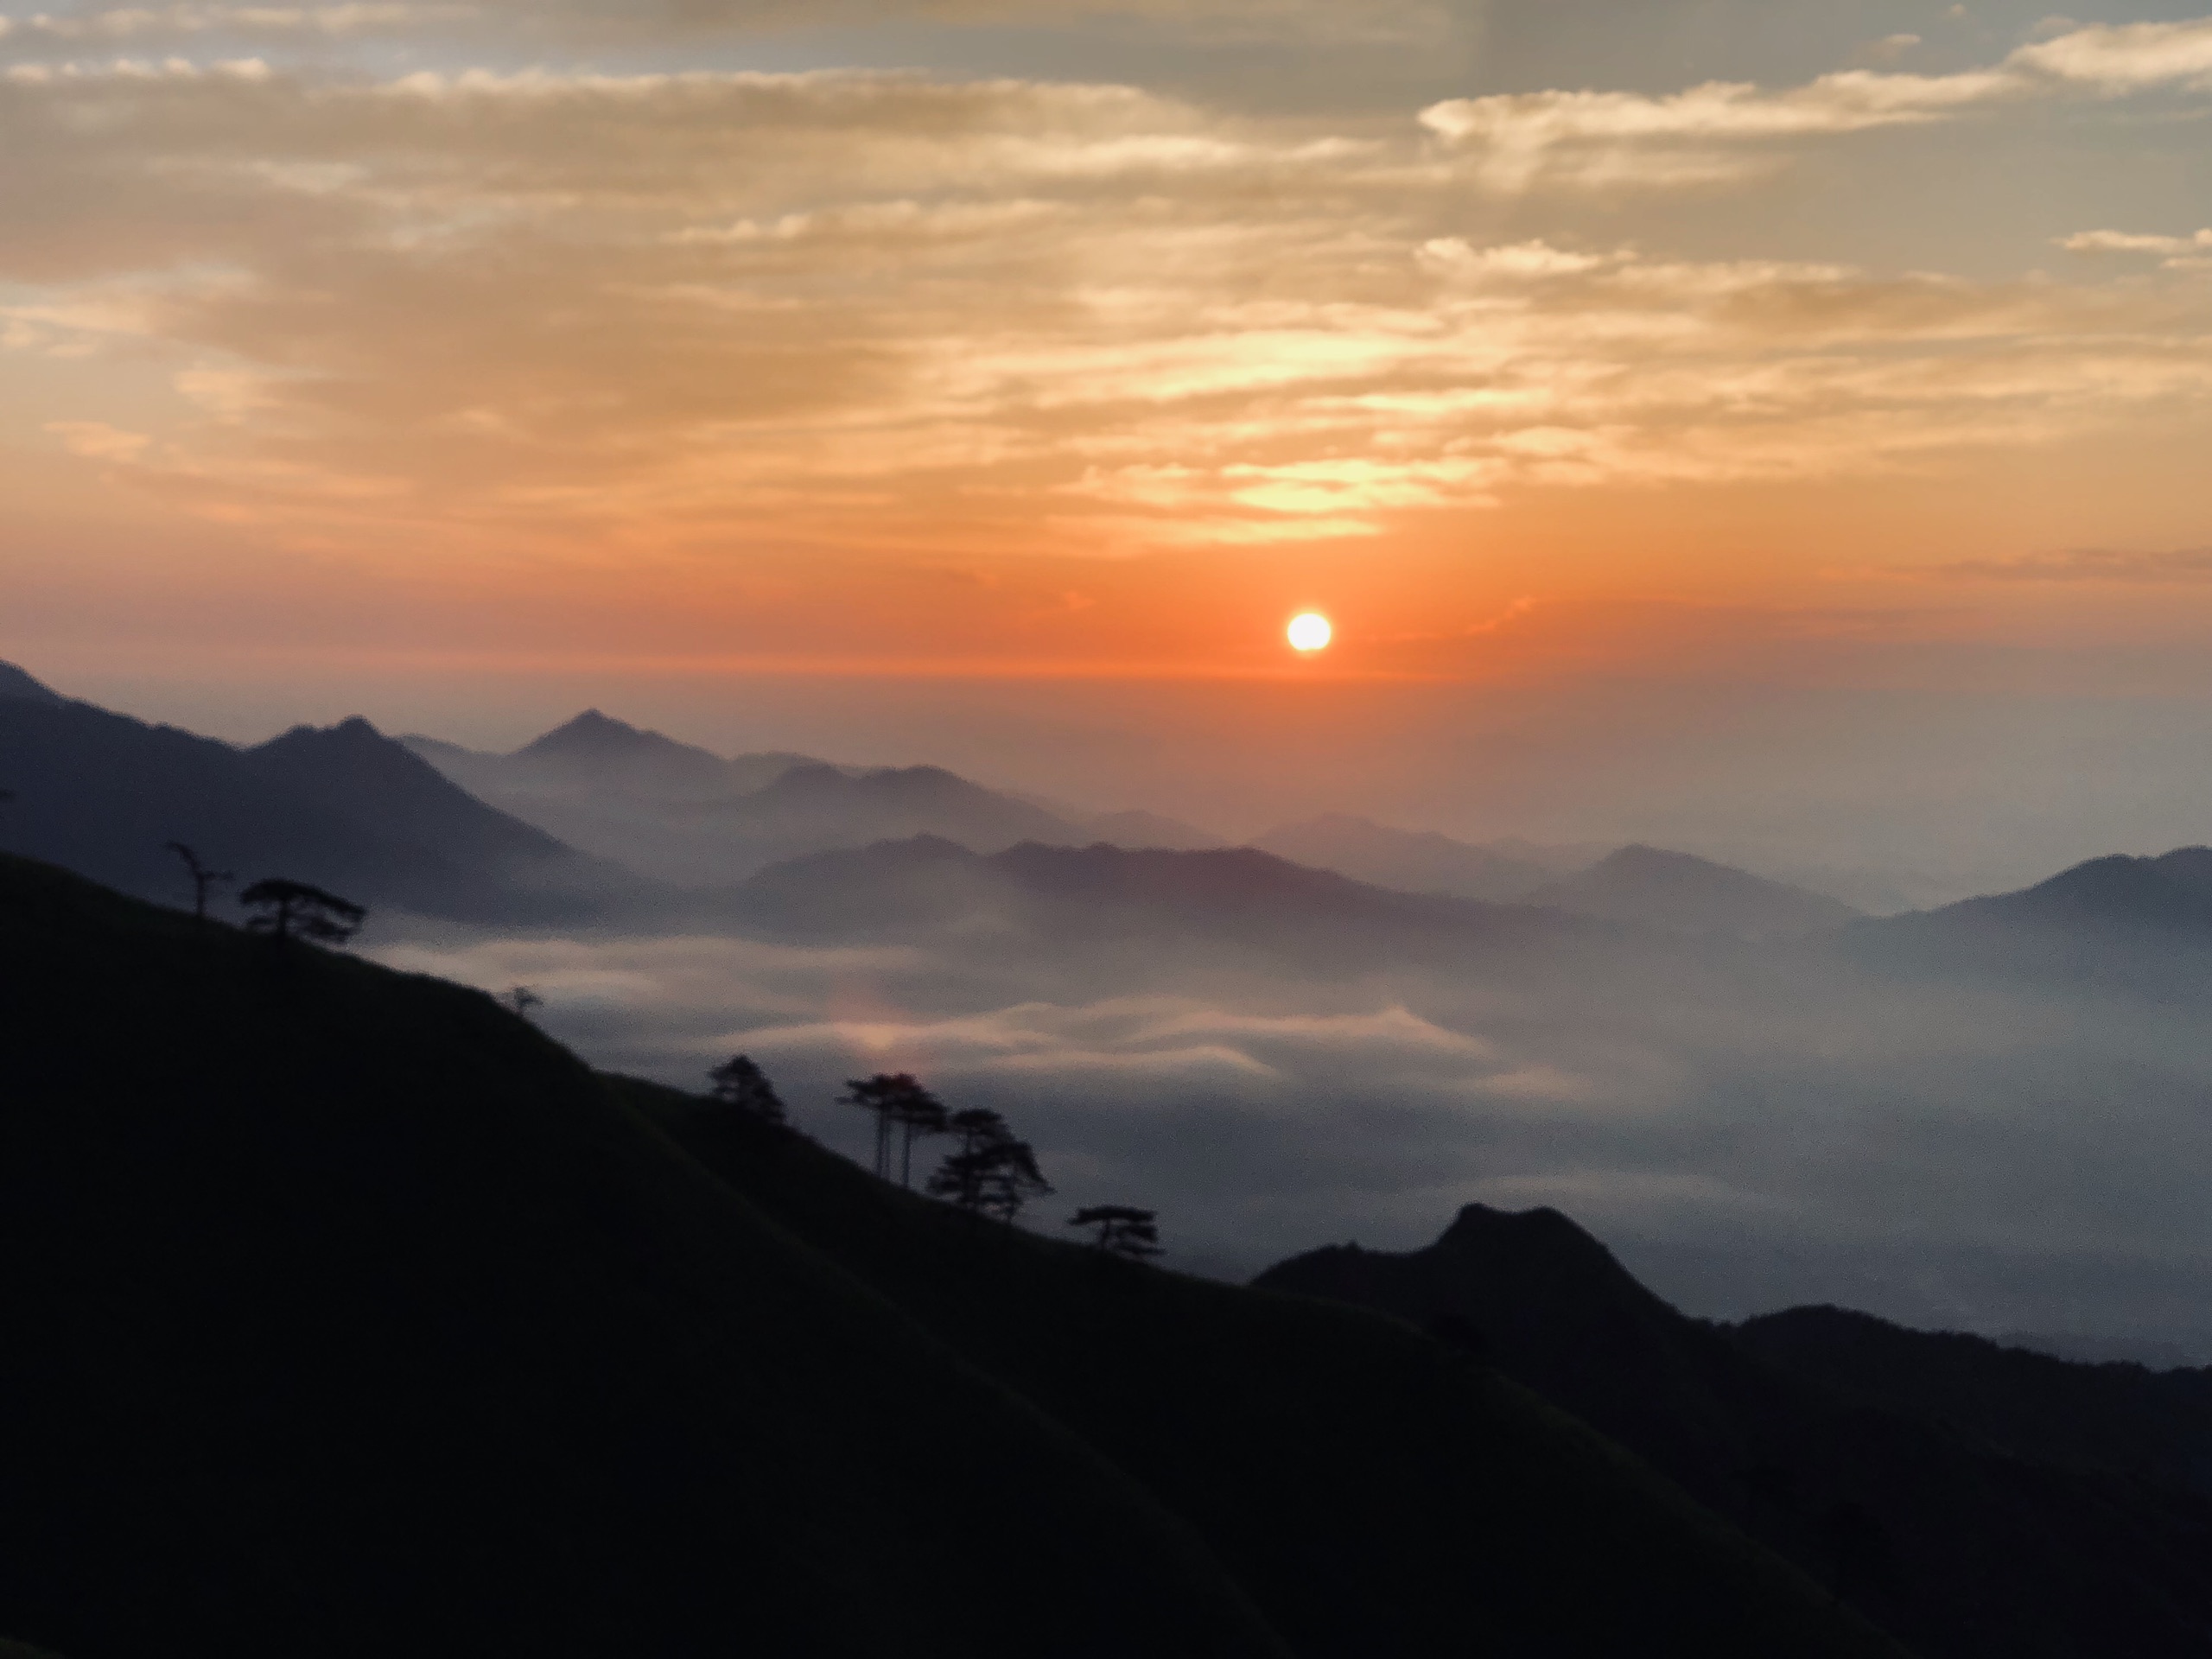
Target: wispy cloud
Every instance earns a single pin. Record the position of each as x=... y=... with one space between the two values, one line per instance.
x=1727 y=130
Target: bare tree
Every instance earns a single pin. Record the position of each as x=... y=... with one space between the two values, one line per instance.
x=523 y=1001
x=203 y=878
x=292 y=910
x=1132 y=1234
x=992 y=1172
x=744 y=1088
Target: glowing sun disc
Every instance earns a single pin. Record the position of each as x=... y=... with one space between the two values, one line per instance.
x=1310 y=632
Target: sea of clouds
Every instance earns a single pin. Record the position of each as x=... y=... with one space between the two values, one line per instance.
x=1976 y=1156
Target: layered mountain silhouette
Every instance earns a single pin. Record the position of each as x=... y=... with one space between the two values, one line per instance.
x=1972 y=1501
x=1150 y=906
x=1141 y=831
x=343 y=807
x=685 y=815
x=594 y=753
x=1413 y=860
x=2144 y=925
x=1681 y=892
x=348 y=1315
x=1644 y=885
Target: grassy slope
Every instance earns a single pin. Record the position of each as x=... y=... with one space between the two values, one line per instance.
x=346 y=1315
x=1376 y=1494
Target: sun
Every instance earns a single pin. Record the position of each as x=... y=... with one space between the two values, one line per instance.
x=1311 y=632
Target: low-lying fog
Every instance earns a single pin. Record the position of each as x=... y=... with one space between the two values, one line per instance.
x=1748 y=1127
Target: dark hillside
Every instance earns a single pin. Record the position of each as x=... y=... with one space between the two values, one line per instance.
x=2117 y=1415
x=1376 y=1493
x=346 y=1315
x=14 y=683
x=1959 y=1545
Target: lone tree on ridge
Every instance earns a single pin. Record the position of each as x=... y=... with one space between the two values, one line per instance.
x=993 y=1172
x=203 y=878
x=744 y=1088
x=523 y=1001
x=1133 y=1235
x=292 y=910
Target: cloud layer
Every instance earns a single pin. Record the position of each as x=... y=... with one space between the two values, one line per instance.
x=868 y=310
x=1752 y=1132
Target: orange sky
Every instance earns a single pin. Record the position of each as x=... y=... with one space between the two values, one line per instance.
x=374 y=346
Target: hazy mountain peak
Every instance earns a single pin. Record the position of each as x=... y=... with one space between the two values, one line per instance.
x=1656 y=888
x=1413 y=860
x=595 y=735
x=15 y=682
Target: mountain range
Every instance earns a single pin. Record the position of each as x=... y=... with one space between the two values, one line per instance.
x=342 y=807
x=1648 y=886
x=685 y=816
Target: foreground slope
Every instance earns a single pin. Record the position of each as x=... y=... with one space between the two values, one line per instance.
x=1376 y=1493
x=1936 y=1524
x=346 y=1315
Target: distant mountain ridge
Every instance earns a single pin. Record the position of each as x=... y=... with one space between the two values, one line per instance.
x=343 y=807
x=685 y=815
x=1412 y=860
x=1656 y=889
x=1157 y=913
x=2140 y=923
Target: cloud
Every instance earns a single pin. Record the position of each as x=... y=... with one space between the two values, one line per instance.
x=180 y=22
x=1792 y=1129
x=1725 y=131
x=2181 y=252
x=2124 y=57
x=539 y=309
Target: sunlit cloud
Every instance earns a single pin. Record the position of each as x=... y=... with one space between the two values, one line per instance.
x=701 y=318
x=838 y=302
x=1723 y=131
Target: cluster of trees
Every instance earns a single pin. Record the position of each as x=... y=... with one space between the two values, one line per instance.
x=283 y=908
x=990 y=1171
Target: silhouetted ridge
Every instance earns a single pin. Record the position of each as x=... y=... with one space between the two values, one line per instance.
x=1863 y=1457
x=15 y=684
x=2155 y=1424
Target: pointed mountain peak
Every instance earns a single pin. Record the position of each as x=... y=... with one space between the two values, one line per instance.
x=593 y=734
x=16 y=684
